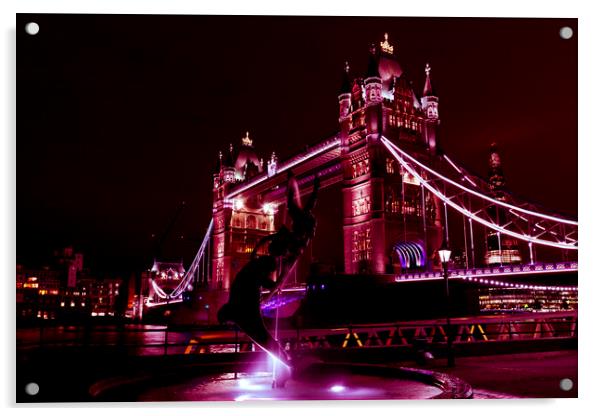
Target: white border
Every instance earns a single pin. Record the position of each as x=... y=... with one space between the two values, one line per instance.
x=590 y=70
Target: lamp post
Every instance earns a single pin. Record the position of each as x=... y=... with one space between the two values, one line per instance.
x=444 y=255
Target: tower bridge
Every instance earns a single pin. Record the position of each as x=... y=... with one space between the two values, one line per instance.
x=400 y=196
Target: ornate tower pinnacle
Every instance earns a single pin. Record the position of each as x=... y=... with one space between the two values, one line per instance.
x=273 y=165
x=346 y=84
x=246 y=141
x=430 y=102
x=428 y=89
x=345 y=94
x=385 y=46
x=373 y=81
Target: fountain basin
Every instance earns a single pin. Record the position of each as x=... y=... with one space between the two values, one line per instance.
x=318 y=381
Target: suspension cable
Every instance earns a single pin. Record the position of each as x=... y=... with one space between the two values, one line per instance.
x=394 y=151
x=391 y=146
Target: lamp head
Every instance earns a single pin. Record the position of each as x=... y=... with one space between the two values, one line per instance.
x=444 y=253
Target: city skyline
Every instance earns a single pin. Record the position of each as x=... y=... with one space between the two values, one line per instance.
x=96 y=168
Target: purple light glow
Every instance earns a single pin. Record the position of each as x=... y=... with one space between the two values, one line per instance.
x=242 y=397
x=246 y=384
x=520 y=286
x=337 y=388
x=277 y=361
x=467 y=274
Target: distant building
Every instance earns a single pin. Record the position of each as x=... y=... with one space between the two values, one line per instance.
x=65 y=290
x=501 y=249
x=73 y=263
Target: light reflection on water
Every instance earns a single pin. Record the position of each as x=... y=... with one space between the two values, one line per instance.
x=258 y=386
x=139 y=339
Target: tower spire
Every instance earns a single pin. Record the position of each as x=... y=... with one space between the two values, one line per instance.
x=428 y=89
x=429 y=100
x=346 y=85
x=218 y=166
x=372 y=63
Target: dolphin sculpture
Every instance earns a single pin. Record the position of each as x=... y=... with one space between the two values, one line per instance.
x=284 y=246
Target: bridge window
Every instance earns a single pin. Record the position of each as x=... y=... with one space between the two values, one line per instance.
x=251 y=222
x=219 y=274
x=360 y=168
x=392 y=203
x=362 y=245
x=237 y=221
x=361 y=206
x=390 y=166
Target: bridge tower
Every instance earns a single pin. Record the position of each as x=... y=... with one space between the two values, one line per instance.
x=238 y=223
x=390 y=222
x=430 y=105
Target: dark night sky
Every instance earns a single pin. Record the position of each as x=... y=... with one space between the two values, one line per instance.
x=120 y=118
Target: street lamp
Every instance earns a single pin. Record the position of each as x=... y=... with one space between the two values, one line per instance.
x=444 y=255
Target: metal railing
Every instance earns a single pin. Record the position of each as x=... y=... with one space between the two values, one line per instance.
x=170 y=340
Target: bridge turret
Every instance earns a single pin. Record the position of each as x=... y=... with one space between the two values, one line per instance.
x=346 y=106
x=247 y=163
x=430 y=107
x=345 y=95
x=430 y=101
x=217 y=178
x=228 y=171
x=373 y=83
x=373 y=86
x=273 y=165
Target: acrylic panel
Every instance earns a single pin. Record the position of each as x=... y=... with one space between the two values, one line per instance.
x=240 y=208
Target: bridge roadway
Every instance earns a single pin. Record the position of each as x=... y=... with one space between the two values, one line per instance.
x=491 y=276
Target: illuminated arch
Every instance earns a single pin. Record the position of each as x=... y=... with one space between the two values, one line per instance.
x=411 y=254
